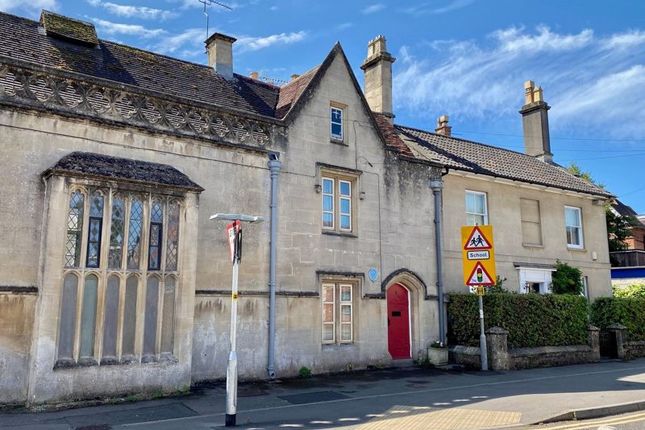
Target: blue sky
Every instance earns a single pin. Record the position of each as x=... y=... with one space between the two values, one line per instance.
x=464 y=58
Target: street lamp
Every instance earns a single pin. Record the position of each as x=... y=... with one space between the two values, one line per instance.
x=234 y=230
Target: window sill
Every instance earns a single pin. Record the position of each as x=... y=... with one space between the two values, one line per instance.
x=339 y=233
x=113 y=361
x=532 y=245
x=337 y=345
x=339 y=141
x=575 y=249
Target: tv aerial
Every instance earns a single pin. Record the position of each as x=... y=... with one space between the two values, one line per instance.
x=208 y=3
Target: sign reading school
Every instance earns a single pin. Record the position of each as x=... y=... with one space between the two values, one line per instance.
x=478 y=255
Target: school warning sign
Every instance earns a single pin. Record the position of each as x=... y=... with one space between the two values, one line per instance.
x=478 y=254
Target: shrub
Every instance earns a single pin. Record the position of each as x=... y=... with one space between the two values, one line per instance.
x=531 y=319
x=304 y=372
x=633 y=291
x=629 y=312
x=566 y=279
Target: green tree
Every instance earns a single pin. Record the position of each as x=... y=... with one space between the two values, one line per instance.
x=566 y=279
x=619 y=227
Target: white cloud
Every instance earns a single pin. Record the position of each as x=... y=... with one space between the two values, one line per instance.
x=249 y=43
x=188 y=39
x=625 y=40
x=586 y=83
x=114 y=28
x=344 y=26
x=31 y=7
x=431 y=8
x=515 y=40
x=373 y=8
x=129 y=11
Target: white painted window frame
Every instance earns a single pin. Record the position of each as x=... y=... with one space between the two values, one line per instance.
x=333 y=203
x=332 y=122
x=580 y=230
x=338 y=304
x=538 y=275
x=478 y=194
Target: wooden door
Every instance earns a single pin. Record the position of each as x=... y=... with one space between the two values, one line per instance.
x=398 y=322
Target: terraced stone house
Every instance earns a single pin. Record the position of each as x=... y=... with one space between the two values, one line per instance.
x=115 y=281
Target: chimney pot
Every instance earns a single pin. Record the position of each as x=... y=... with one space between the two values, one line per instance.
x=377 y=68
x=535 y=122
x=219 y=48
x=443 y=127
x=254 y=75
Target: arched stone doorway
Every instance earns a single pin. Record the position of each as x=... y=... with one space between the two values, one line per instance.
x=403 y=291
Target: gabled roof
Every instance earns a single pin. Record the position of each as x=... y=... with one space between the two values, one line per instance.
x=295 y=95
x=21 y=39
x=474 y=157
x=116 y=168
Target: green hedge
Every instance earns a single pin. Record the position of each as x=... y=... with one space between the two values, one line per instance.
x=629 y=312
x=532 y=320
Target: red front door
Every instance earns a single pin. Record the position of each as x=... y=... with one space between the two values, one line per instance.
x=398 y=322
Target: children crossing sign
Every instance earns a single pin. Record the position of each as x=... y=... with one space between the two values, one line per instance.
x=478 y=255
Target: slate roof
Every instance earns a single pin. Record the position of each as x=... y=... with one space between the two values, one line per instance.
x=291 y=92
x=474 y=157
x=623 y=209
x=116 y=168
x=21 y=39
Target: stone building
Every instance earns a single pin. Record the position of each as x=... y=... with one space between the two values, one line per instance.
x=114 y=280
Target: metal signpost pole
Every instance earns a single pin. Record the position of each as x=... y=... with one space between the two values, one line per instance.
x=478 y=258
x=231 y=369
x=234 y=231
x=482 y=336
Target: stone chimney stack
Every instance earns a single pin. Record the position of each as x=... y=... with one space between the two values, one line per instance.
x=378 y=77
x=219 y=48
x=442 y=126
x=535 y=121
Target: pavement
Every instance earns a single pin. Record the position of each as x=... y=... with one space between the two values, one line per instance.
x=406 y=398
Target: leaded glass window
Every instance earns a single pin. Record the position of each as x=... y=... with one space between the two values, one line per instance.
x=95 y=228
x=130 y=315
x=134 y=233
x=150 y=319
x=74 y=230
x=168 y=322
x=172 y=235
x=136 y=223
x=88 y=316
x=154 y=240
x=116 y=233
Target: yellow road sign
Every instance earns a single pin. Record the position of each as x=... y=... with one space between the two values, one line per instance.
x=478 y=254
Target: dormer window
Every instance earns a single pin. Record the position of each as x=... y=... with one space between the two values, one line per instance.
x=336 y=123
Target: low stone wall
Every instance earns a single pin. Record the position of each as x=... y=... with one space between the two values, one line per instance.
x=547 y=356
x=467 y=356
x=501 y=358
x=634 y=349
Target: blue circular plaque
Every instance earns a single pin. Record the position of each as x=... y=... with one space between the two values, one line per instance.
x=373 y=274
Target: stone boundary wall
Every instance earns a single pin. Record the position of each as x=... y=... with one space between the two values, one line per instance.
x=501 y=358
x=626 y=350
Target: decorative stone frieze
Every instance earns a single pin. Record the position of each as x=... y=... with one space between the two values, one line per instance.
x=73 y=94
